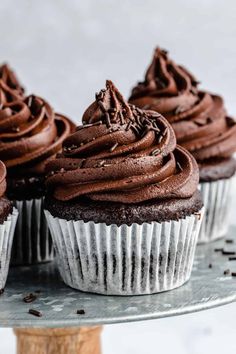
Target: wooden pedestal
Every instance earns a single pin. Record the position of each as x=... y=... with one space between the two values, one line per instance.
x=85 y=340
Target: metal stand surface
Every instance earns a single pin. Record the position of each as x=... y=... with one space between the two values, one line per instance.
x=208 y=287
x=61 y=329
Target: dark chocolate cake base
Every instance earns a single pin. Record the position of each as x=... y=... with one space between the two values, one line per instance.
x=6 y=208
x=117 y=213
x=32 y=243
x=214 y=170
x=22 y=188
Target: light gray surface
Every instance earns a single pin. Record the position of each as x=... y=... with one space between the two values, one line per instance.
x=64 y=50
x=207 y=288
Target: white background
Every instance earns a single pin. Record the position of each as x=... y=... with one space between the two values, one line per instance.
x=64 y=51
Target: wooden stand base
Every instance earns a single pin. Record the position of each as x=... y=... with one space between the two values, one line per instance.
x=85 y=340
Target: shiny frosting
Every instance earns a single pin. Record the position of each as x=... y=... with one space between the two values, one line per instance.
x=121 y=154
x=199 y=118
x=3 y=184
x=10 y=87
x=30 y=133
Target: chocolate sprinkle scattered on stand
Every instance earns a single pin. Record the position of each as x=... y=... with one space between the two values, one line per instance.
x=229 y=240
x=228 y=253
x=218 y=249
x=233 y=274
x=29 y=298
x=210 y=265
x=227 y=271
x=232 y=258
x=80 y=312
x=35 y=313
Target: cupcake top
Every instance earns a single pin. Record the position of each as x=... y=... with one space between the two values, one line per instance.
x=199 y=118
x=30 y=134
x=10 y=83
x=121 y=154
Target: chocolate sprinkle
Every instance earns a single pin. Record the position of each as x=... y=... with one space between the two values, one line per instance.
x=232 y=258
x=228 y=253
x=114 y=147
x=128 y=126
x=29 y=298
x=35 y=313
x=227 y=272
x=155 y=152
x=80 y=312
x=1 y=291
x=218 y=249
x=233 y=274
x=229 y=241
x=179 y=166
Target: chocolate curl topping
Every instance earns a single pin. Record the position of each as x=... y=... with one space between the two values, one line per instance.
x=109 y=107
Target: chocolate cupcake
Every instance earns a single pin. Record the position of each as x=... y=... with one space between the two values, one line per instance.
x=8 y=218
x=30 y=135
x=122 y=204
x=201 y=126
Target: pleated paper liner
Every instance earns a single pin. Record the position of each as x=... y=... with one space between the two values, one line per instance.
x=6 y=237
x=125 y=260
x=217 y=202
x=32 y=241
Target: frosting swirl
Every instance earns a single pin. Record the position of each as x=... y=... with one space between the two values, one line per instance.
x=3 y=183
x=199 y=118
x=122 y=154
x=10 y=87
x=30 y=134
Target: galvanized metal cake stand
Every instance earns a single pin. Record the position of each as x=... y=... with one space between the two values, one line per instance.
x=61 y=330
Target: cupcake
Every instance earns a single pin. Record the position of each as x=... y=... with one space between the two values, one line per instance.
x=122 y=202
x=202 y=127
x=8 y=218
x=30 y=135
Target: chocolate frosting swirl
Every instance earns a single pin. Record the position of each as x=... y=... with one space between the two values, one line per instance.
x=30 y=134
x=3 y=183
x=199 y=118
x=10 y=87
x=122 y=154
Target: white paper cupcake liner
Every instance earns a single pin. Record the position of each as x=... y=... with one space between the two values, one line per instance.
x=125 y=260
x=32 y=242
x=6 y=237
x=217 y=202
